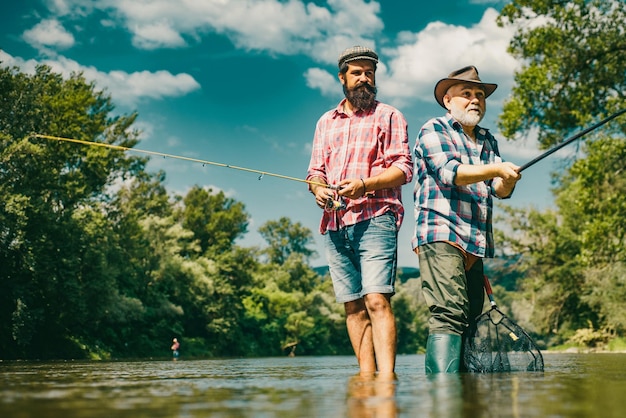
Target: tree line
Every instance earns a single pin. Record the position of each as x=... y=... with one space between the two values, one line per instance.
x=98 y=260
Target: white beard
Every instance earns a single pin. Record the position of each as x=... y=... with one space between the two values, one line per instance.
x=466 y=116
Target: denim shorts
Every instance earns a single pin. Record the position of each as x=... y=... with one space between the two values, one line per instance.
x=362 y=258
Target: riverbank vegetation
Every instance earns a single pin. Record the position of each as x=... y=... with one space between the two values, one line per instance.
x=98 y=260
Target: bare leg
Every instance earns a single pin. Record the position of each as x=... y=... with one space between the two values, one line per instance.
x=360 y=333
x=384 y=334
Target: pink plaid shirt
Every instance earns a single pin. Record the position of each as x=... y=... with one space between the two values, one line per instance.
x=360 y=146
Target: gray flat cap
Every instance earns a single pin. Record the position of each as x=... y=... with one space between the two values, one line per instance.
x=357 y=53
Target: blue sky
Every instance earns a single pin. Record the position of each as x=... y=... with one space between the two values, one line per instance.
x=243 y=82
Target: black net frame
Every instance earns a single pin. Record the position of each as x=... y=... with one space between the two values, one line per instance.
x=495 y=343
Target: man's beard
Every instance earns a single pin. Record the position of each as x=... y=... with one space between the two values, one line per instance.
x=363 y=96
x=466 y=116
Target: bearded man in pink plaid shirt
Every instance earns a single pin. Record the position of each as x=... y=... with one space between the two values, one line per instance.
x=359 y=161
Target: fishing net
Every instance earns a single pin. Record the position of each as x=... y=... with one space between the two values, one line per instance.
x=497 y=344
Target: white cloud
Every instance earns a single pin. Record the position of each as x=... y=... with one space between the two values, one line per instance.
x=70 y=7
x=328 y=84
x=408 y=71
x=125 y=88
x=156 y=34
x=49 y=33
x=155 y=85
x=278 y=27
x=406 y=74
x=27 y=66
x=431 y=54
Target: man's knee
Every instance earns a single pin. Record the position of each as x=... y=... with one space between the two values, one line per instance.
x=378 y=303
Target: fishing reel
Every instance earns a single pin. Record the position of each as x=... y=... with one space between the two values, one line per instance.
x=336 y=202
x=334 y=205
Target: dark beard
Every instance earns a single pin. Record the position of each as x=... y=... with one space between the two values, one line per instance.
x=361 y=97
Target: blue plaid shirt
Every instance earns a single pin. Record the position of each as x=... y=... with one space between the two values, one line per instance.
x=443 y=210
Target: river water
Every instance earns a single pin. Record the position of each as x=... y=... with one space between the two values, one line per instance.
x=572 y=385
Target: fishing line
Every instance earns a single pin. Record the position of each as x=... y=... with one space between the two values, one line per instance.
x=180 y=157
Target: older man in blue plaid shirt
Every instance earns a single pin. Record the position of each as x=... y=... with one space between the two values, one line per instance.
x=458 y=170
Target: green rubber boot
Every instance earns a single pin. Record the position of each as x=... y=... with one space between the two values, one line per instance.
x=443 y=353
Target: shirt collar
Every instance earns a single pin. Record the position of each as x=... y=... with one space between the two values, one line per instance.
x=339 y=109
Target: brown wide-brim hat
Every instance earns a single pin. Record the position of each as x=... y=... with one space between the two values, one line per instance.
x=467 y=74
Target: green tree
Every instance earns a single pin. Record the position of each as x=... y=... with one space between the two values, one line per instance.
x=98 y=260
x=573 y=258
x=216 y=220
x=45 y=187
x=572 y=73
x=551 y=271
x=592 y=200
x=573 y=70
x=141 y=197
x=285 y=238
x=291 y=306
x=216 y=311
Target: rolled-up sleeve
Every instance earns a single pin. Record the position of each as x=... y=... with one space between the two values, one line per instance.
x=397 y=150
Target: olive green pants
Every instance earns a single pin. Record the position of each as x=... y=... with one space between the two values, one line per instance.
x=455 y=297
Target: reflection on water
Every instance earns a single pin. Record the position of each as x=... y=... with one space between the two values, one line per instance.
x=573 y=385
x=372 y=395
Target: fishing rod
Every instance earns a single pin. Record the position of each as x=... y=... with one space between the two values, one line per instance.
x=569 y=140
x=331 y=203
x=180 y=157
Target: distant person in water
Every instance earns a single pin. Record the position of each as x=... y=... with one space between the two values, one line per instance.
x=175 y=347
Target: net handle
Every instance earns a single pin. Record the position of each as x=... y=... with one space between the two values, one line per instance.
x=489 y=292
